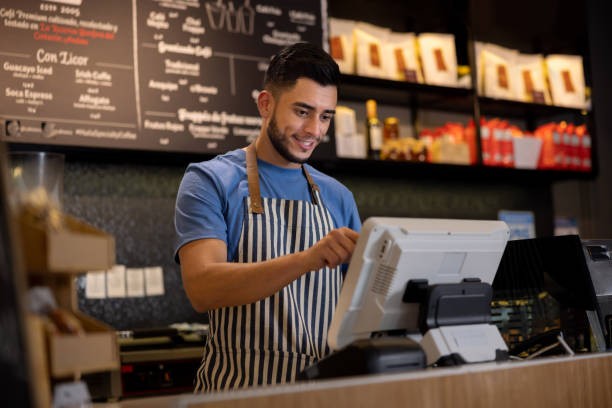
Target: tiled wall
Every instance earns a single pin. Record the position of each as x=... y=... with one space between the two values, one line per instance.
x=135 y=203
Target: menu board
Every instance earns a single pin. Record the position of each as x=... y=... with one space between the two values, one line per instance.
x=175 y=75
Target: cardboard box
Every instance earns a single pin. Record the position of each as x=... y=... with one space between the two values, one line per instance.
x=77 y=247
x=526 y=152
x=96 y=350
x=452 y=153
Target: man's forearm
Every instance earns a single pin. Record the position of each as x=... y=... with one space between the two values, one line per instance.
x=226 y=284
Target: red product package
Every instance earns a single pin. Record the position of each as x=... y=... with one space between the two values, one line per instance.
x=585 y=149
x=497 y=138
x=558 y=148
x=485 y=142
x=567 y=146
x=507 y=147
x=547 y=155
x=574 y=149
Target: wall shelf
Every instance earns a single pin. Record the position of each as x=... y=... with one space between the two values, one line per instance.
x=421 y=170
x=421 y=96
x=418 y=97
x=508 y=108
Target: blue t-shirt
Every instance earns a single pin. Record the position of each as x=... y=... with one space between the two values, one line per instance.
x=210 y=199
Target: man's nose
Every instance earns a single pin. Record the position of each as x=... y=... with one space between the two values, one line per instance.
x=313 y=126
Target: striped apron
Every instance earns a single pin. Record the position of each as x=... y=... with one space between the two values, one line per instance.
x=272 y=340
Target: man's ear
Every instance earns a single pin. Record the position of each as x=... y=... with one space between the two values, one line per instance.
x=265 y=104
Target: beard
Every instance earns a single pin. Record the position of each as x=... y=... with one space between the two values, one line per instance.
x=280 y=143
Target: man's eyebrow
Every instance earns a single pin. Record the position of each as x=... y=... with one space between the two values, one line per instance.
x=307 y=106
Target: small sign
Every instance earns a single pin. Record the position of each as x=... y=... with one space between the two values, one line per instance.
x=538 y=97
x=95 y=285
x=410 y=75
x=566 y=226
x=154 y=281
x=521 y=223
x=135 y=282
x=115 y=281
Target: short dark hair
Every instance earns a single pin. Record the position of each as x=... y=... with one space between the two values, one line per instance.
x=301 y=60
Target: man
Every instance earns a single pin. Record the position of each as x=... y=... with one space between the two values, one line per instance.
x=262 y=237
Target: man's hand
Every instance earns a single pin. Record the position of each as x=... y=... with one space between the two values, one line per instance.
x=334 y=249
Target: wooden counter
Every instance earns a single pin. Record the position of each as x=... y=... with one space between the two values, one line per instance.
x=581 y=381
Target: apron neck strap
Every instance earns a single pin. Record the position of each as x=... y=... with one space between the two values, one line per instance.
x=253 y=181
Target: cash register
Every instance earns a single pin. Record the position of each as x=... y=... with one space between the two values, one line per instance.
x=417 y=293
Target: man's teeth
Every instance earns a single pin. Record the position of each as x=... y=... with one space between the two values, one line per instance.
x=306 y=143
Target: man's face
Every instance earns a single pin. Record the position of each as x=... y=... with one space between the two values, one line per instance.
x=301 y=118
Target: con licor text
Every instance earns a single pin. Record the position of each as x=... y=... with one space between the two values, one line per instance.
x=62 y=57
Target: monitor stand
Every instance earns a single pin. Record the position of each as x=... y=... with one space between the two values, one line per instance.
x=455 y=319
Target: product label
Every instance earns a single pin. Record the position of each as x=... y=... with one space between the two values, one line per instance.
x=502 y=76
x=374 y=55
x=376 y=137
x=410 y=75
x=400 y=63
x=528 y=81
x=439 y=57
x=335 y=45
x=586 y=141
x=538 y=97
x=485 y=133
x=566 y=139
x=575 y=140
x=567 y=81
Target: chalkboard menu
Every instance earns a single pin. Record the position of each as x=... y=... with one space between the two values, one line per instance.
x=175 y=75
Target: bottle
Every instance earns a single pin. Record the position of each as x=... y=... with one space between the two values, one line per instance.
x=373 y=130
x=391 y=129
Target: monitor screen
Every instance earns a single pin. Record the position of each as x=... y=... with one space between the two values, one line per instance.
x=392 y=251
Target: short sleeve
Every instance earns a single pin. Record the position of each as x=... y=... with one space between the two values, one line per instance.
x=353 y=221
x=199 y=209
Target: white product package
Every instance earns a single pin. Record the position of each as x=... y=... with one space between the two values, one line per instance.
x=348 y=142
x=341 y=44
x=498 y=71
x=369 y=40
x=531 y=82
x=439 y=58
x=400 y=58
x=566 y=76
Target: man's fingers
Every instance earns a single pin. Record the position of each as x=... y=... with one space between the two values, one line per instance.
x=332 y=259
x=346 y=241
x=350 y=234
x=337 y=247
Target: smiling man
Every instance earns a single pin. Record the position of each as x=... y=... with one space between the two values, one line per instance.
x=263 y=238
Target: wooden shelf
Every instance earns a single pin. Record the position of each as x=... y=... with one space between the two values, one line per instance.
x=507 y=108
x=422 y=170
x=415 y=95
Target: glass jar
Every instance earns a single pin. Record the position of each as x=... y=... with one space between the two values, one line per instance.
x=391 y=129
